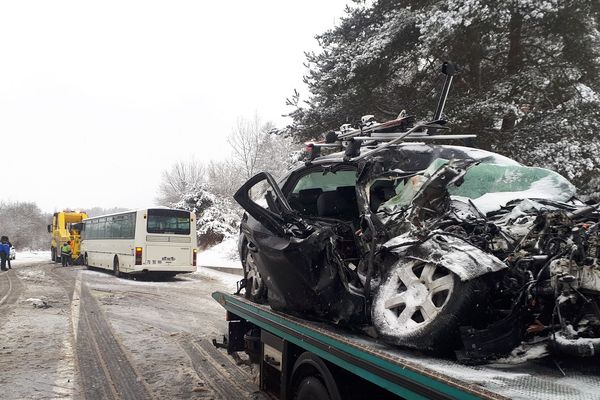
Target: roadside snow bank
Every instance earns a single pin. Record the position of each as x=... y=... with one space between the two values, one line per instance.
x=228 y=280
x=224 y=254
x=29 y=256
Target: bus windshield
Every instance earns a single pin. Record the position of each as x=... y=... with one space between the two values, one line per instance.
x=175 y=222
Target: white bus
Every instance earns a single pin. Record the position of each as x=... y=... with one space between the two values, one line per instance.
x=153 y=240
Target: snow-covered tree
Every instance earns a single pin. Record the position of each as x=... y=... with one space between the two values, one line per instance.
x=529 y=86
x=216 y=217
x=179 y=179
x=25 y=225
x=256 y=147
x=207 y=188
x=224 y=177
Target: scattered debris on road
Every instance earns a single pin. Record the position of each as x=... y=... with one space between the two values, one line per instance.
x=38 y=303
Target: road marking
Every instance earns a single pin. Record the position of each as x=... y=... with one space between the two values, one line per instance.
x=2 y=300
x=124 y=380
x=75 y=303
x=64 y=383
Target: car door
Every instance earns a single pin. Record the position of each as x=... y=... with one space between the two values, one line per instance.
x=295 y=256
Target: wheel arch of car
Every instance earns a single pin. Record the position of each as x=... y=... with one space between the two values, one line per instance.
x=462 y=258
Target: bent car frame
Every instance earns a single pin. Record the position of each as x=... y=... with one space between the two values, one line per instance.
x=446 y=249
x=439 y=248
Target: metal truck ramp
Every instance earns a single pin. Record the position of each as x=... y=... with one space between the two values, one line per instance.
x=415 y=375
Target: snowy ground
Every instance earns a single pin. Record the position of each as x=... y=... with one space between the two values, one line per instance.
x=229 y=280
x=29 y=256
x=225 y=254
x=78 y=333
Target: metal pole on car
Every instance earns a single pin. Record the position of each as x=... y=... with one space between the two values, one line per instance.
x=449 y=69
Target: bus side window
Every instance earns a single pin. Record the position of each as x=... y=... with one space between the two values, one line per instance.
x=129 y=226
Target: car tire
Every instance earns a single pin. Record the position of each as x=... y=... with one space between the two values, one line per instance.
x=422 y=305
x=311 y=388
x=85 y=261
x=255 y=286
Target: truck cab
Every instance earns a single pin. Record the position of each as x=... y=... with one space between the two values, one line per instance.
x=66 y=227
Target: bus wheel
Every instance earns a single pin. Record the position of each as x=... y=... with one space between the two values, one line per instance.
x=116 y=267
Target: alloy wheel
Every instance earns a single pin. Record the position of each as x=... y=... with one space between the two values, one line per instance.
x=253 y=276
x=421 y=292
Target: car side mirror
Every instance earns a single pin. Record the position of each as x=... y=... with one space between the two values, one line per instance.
x=49 y=228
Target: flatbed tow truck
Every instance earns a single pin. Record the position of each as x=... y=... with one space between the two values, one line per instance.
x=302 y=359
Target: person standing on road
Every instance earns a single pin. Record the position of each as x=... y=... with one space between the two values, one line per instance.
x=4 y=252
x=65 y=254
x=9 y=247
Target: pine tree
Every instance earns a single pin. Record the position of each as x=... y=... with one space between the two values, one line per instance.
x=529 y=85
x=216 y=217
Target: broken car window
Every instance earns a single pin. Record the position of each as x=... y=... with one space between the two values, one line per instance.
x=407 y=188
x=329 y=194
x=489 y=185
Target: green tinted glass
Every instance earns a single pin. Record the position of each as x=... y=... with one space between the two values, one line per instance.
x=326 y=182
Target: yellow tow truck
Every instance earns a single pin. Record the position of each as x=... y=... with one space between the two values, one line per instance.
x=66 y=227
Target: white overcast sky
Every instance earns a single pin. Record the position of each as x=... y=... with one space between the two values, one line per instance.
x=97 y=98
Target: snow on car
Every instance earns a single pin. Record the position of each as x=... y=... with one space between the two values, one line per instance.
x=446 y=249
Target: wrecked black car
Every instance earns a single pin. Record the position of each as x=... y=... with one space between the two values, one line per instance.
x=439 y=248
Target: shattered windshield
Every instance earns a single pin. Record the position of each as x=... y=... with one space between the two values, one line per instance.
x=489 y=185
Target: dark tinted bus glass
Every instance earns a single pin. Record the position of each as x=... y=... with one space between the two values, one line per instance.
x=120 y=226
x=175 y=222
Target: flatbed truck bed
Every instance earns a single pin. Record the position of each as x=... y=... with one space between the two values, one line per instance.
x=357 y=364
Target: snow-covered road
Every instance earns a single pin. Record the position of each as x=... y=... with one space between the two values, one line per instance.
x=77 y=333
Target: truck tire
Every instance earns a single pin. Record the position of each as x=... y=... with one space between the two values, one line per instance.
x=53 y=254
x=311 y=388
x=312 y=379
x=421 y=305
